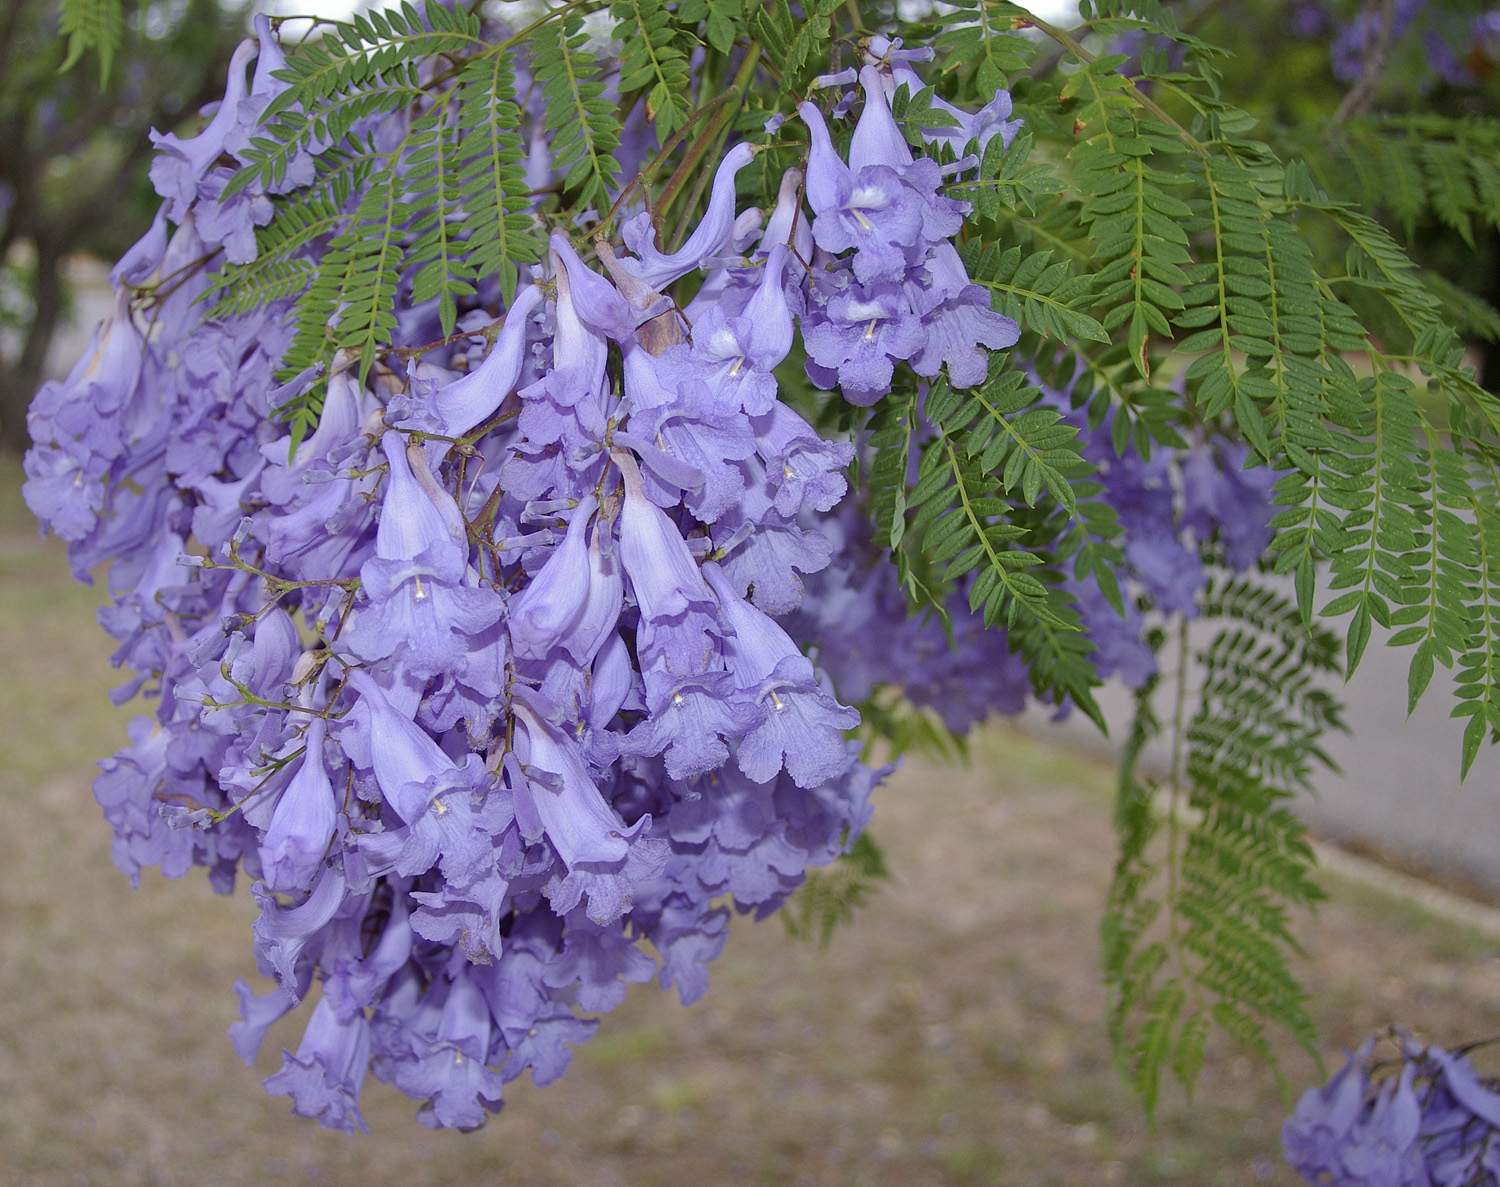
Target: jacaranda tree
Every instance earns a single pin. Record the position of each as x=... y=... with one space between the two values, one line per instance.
x=537 y=457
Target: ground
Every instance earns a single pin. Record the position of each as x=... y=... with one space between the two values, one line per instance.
x=952 y=1034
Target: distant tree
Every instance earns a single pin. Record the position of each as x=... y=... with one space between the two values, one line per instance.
x=74 y=152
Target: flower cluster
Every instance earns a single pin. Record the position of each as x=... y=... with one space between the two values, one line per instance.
x=887 y=284
x=1170 y=508
x=1429 y=1121
x=481 y=682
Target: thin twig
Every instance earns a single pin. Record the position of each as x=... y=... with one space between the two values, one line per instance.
x=1382 y=17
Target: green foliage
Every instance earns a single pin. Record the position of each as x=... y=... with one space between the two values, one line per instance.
x=1184 y=230
x=992 y=455
x=1196 y=927
x=723 y=20
x=831 y=894
x=796 y=44
x=498 y=234
x=654 y=60
x=442 y=208
x=978 y=39
x=1044 y=297
x=369 y=66
x=1415 y=169
x=1138 y=242
x=584 y=124
x=92 y=25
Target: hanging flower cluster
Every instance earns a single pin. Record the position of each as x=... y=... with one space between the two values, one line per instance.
x=482 y=682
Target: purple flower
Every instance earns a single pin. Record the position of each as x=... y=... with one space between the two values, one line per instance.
x=569 y=809
x=263 y=88
x=230 y=222
x=734 y=356
x=788 y=225
x=578 y=348
x=864 y=333
x=804 y=471
x=1119 y=648
x=541 y=614
x=595 y=626
x=598 y=303
x=981 y=126
x=345 y=409
x=1325 y=1117
x=761 y=552
x=1460 y=1080
x=707 y=238
x=144 y=258
x=698 y=434
x=691 y=720
x=956 y=328
x=467 y=920
x=552 y=741
x=281 y=933
x=1219 y=493
x=601 y=961
x=304 y=821
x=353 y=985
x=418 y=605
x=876 y=139
x=1382 y=1150
x=663 y=577
x=326 y=1075
x=403 y=757
x=802 y=725
x=258 y=1013
x=181 y=164
x=448 y=1068
x=457 y=407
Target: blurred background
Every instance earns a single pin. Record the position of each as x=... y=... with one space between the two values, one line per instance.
x=952 y=1033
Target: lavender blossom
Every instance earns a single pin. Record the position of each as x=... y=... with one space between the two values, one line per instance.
x=181 y=164
x=304 y=822
x=326 y=1075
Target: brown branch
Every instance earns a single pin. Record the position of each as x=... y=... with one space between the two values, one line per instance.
x=1381 y=15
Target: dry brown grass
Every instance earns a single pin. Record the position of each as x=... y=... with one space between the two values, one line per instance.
x=951 y=1035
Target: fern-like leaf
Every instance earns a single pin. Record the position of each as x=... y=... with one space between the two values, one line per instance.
x=499 y=235
x=1197 y=927
x=583 y=121
x=654 y=61
x=97 y=25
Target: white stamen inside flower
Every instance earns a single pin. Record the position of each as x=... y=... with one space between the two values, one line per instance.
x=859 y=310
